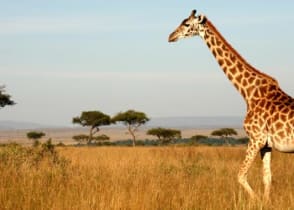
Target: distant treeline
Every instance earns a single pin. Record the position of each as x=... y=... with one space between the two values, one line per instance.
x=178 y=142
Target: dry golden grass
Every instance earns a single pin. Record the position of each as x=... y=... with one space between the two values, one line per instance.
x=144 y=178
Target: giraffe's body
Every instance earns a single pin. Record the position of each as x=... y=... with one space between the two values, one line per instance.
x=269 y=121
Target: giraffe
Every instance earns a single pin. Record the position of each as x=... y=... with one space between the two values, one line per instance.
x=269 y=120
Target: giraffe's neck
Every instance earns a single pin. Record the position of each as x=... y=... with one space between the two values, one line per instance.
x=250 y=82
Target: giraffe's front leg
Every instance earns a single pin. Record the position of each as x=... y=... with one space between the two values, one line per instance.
x=251 y=153
x=267 y=176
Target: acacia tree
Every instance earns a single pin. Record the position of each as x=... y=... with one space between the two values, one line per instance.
x=224 y=133
x=132 y=120
x=5 y=98
x=164 y=135
x=35 y=136
x=102 y=138
x=92 y=119
x=82 y=138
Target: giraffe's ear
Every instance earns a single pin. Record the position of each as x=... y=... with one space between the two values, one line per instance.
x=193 y=13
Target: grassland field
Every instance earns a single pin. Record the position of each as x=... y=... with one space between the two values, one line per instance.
x=155 y=178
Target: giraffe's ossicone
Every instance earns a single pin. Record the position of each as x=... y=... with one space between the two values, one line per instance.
x=269 y=121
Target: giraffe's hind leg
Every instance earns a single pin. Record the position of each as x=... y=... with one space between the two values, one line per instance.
x=267 y=176
x=251 y=153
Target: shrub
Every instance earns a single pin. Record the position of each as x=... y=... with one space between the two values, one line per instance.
x=19 y=156
x=196 y=138
x=243 y=140
x=60 y=144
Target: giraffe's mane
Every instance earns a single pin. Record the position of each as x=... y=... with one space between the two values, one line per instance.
x=239 y=57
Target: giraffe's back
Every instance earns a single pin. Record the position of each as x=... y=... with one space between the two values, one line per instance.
x=281 y=125
x=272 y=121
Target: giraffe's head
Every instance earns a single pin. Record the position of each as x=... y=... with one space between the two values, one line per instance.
x=189 y=27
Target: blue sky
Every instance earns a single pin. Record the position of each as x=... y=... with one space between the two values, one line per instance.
x=59 y=58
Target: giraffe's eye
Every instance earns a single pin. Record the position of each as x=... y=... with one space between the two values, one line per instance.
x=185 y=23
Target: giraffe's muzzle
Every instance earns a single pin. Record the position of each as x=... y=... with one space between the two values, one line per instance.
x=173 y=37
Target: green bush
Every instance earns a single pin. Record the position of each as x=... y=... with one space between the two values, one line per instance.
x=243 y=140
x=15 y=155
x=60 y=144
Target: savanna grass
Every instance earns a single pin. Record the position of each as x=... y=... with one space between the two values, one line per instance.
x=142 y=178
